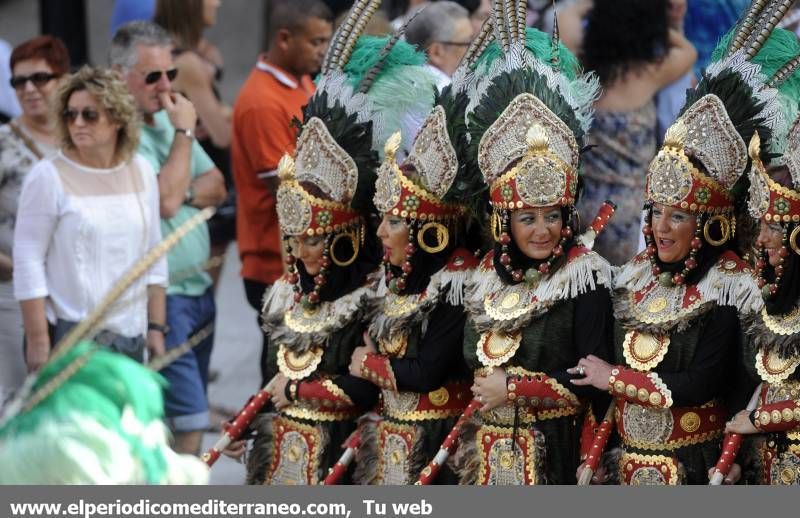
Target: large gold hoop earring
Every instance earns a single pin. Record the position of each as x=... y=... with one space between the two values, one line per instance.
x=442 y=237
x=793 y=239
x=497 y=226
x=724 y=226
x=353 y=240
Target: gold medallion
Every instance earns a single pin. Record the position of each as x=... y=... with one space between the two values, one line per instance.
x=510 y=300
x=774 y=369
x=439 y=397
x=690 y=422
x=644 y=351
x=399 y=305
x=510 y=303
x=657 y=305
x=395 y=346
x=297 y=366
x=303 y=320
x=496 y=348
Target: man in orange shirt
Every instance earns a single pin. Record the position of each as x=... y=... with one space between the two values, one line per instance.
x=279 y=86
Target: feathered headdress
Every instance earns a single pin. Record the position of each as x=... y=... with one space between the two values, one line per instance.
x=529 y=111
x=96 y=417
x=368 y=88
x=749 y=89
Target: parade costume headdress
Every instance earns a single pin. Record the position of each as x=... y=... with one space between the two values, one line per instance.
x=434 y=188
x=779 y=204
x=700 y=168
x=95 y=417
x=368 y=87
x=530 y=108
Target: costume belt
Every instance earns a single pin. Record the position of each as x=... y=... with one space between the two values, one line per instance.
x=662 y=429
x=504 y=414
x=448 y=400
x=308 y=413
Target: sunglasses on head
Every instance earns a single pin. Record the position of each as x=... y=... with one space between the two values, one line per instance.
x=89 y=115
x=38 y=79
x=154 y=77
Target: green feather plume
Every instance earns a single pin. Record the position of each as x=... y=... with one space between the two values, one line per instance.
x=367 y=54
x=102 y=425
x=541 y=45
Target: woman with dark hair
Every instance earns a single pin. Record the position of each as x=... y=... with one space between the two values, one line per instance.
x=540 y=299
x=678 y=303
x=412 y=351
x=314 y=316
x=37 y=66
x=629 y=46
x=773 y=351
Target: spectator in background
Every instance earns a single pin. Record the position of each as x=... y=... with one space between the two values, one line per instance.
x=130 y=11
x=706 y=22
x=634 y=53
x=85 y=216
x=199 y=65
x=9 y=107
x=672 y=97
x=188 y=181
x=443 y=31
x=36 y=68
x=273 y=95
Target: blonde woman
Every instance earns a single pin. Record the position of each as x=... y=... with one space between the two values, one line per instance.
x=85 y=216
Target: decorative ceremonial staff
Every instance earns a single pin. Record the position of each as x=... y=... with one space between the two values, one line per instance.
x=730 y=447
x=451 y=441
x=447 y=448
x=238 y=426
x=340 y=468
x=598 y=445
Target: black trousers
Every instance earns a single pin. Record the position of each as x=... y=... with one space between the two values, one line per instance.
x=255 y=296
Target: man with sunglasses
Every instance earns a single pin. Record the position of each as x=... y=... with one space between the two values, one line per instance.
x=444 y=31
x=188 y=181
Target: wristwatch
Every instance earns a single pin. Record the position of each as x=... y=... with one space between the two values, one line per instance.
x=161 y=328
x=186 y=132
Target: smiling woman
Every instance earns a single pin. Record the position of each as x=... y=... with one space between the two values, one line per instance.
x=84 y=217
x=37 y=66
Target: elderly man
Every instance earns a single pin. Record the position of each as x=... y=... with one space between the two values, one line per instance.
x=443 y=30
x=188 y=181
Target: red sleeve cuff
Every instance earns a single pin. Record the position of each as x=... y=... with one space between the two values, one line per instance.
x=323 y=392
x=777 y=417
x=538 y=390
x=643 y=388
x=378 y=369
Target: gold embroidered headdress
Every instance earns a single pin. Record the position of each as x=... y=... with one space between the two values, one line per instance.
x=528 y=115
x=701 y=167
x=367 y=86
x=432 y=187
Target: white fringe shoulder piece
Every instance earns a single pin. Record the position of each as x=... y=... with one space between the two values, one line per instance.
x=299 y=329
x=584 y=272
x=446 y=285
x=730 y=282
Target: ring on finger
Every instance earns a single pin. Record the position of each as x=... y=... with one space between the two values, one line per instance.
x=581 y=370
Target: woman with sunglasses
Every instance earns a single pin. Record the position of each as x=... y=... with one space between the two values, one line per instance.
x=85 y=215
x=36 y=66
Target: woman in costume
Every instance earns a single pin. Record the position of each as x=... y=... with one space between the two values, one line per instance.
x=678 y=303
x=774 y=333
x=540 y=299
x=316 y=314
x=413 y=349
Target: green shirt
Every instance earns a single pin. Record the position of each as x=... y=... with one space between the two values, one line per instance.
x=193 y=250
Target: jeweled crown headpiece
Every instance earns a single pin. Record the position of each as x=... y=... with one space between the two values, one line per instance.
x=529 y=155
x=368 y=88
x=705 y=154
x=444 y=186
